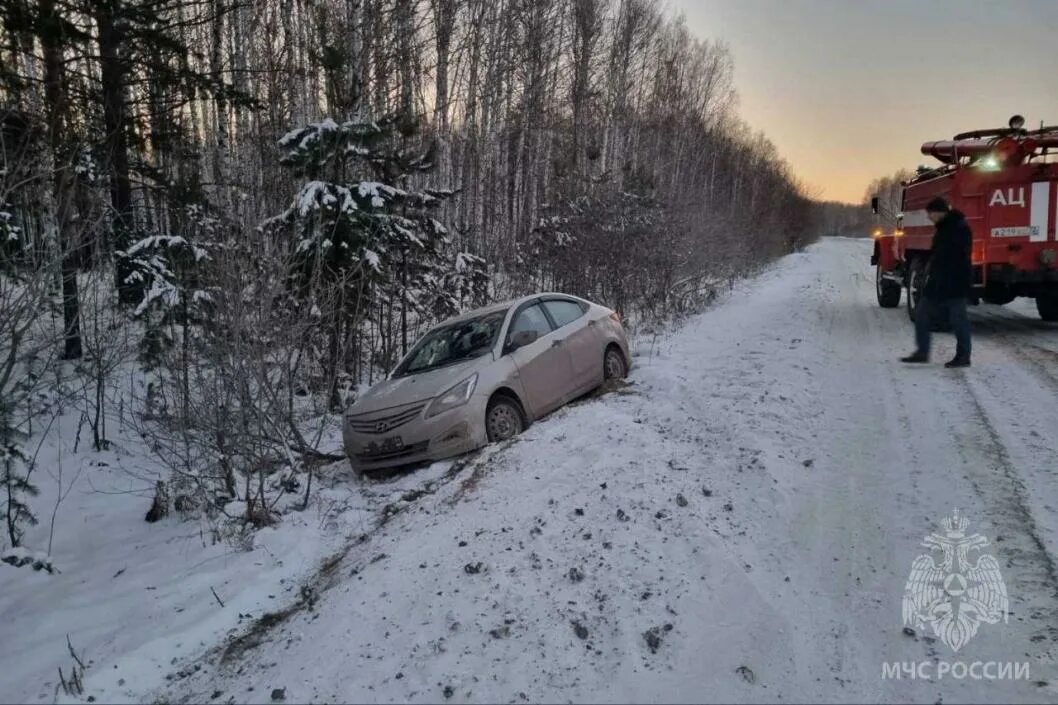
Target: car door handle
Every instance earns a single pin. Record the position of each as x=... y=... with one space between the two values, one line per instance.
x=556 y=343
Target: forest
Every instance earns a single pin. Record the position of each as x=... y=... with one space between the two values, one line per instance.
x=222 y=219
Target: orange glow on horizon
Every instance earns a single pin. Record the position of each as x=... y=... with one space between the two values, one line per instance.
x=848 y=91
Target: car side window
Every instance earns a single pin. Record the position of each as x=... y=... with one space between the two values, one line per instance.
x=564 y=312
x=531 y=318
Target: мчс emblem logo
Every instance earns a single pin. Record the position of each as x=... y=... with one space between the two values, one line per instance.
x=955 y=596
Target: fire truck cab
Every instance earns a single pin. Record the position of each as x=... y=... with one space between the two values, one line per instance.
x=1005 y=181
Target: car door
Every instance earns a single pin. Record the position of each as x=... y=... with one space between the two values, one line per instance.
x=574 y=327
x=544 y=366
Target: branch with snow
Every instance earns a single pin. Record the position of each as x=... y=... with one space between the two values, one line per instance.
x=20 y=556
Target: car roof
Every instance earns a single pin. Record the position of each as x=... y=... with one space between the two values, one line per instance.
x=483 y=311
x=492 y=308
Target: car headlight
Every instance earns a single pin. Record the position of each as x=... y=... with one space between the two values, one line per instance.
x=457 y=395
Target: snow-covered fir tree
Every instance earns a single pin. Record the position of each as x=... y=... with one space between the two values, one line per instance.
x=167 y=267
x=361 y=231
x=15 y=488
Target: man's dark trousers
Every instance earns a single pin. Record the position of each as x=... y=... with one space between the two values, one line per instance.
x=954 y=310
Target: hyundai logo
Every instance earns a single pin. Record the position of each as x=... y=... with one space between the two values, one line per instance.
x=381 y=427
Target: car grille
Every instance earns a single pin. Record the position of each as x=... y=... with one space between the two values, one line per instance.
x=402 y=452
x=384 y=424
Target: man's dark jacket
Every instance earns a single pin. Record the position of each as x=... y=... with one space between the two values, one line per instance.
x=950 y=271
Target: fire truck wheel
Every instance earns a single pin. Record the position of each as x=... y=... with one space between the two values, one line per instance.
x=888 y=291
x=1048 y=307
x=916 y=277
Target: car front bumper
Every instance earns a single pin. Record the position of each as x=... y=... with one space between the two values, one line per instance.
x=417 y=440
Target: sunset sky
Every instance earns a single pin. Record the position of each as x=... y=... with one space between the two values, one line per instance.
x=849 y=89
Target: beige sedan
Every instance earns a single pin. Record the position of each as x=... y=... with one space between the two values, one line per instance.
x=485 y=376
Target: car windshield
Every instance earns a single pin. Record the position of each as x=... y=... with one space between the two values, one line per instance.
x=453 y=343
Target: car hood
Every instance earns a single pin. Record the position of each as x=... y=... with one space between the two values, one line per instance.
x=417 y=387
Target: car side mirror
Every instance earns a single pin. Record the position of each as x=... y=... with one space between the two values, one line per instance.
x=522 y=338
x=874 y=205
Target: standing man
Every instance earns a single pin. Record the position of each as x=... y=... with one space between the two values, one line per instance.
x=949 y=279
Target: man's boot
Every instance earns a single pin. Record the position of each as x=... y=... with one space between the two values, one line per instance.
x=915 y=357
x=957 y=362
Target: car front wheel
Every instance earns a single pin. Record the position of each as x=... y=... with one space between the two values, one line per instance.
x=613 y=364
x=503 y=419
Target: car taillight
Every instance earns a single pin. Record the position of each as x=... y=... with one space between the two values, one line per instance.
x=615 y=317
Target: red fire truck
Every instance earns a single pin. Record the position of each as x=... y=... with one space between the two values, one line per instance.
x=1004 y=180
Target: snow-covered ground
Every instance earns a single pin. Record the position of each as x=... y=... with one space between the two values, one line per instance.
x=736 y=524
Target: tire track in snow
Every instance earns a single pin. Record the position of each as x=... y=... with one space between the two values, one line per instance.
x=991 y=424
x=1015 y=337
x=1010 y=421
x=967 y=427
x=934 y=424
x=848 y=517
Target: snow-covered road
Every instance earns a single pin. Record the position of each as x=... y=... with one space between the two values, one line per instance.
x=737 y=524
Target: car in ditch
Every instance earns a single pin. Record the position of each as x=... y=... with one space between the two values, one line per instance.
x=483 y=377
